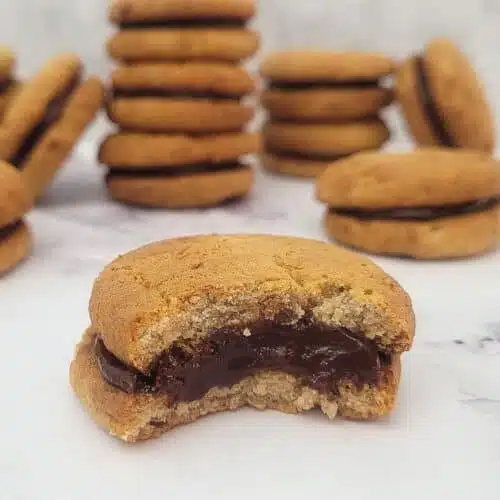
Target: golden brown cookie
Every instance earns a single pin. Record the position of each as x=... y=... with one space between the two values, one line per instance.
x=443 y=101
x=197 y=186
x=431 y=204
x=218 y=79
x=323 y=103
x=317 y=67
x=7 y=61
x=135 y=151
x=143 y=11
x=324 y=141
x=47 y=117
x=296 y=166
x=7 y=95
x=15 y=202
x=216 y=313
x=209 y=44
x=155 y=114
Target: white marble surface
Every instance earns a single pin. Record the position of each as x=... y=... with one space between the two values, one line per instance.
x=443 y=440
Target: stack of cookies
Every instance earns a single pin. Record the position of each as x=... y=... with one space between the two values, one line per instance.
x=177 y=99
x=8 y=84
x=323 y=106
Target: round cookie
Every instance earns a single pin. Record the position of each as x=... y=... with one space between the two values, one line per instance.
x=431 y=204
x=324 y=103
x=222 y=79
x=135 y=151
x=453 y=237
x=179 y=115
x=183 y=191
x=324 y=141
x=132 y=11
x=299 y=167
x=212 y=44
x=47 y=117
x=443 y=101
x=15 y=247
x=317 y=67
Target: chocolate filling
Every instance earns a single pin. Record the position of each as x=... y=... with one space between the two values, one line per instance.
x=306 y=156
x=53 y=113
x=9 y=230
x=320 y=356
x=153 y=93
x=429 y=105
x=173 y=171
x=356 y=84
x=420 y=213
x=184 y=23
x=5 y=85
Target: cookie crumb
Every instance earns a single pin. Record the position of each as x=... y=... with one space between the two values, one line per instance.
x=247 y=332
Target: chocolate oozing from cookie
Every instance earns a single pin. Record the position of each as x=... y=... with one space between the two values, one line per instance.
x=429 y=106
x=184 y=23
x=9 y=230
x=161 y=93
x=420 y=213
x=323 y=84
x=53 y=113
x=321 y=356
x=174 y=171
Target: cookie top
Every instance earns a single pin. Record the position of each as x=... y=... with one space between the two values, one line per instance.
x=316 y=67
x=30 y=105
x=426 y=177
x=137 y=11
x=7 y=61
x=458 y=95
x=210 y=78
x=15 y=200
x=185 y=288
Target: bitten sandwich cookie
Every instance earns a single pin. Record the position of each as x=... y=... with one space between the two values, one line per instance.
x=168 y=31
x=15 y=202
x=47 y=117
x=187 y=327
x=443 y=100
x=430 y=204
x=8 y=84
x=319 y=86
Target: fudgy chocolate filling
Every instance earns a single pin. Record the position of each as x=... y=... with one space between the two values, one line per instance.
x=321 y=356
x=282 y=85
x=431 y=110
x=173 y=171
x=184 y=23
x=5 y=84
x=53 y=113
x=9 y=230
x=305 y=156
x=420 y=213
x=152 y=92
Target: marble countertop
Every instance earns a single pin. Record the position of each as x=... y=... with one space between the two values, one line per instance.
x=443 y=440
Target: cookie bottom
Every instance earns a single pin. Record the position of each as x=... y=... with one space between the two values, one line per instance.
x=443 y=238
x=298 y=167
x=139 y=417
x=183 y=191
x=15 y=248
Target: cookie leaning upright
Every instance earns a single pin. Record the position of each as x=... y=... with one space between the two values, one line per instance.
x=322 y=106
x=181 y=111
x=46 y=119
x=192 y=326
x=430 y=204
x=8 y=84
x=443 y=101
x=15 y=202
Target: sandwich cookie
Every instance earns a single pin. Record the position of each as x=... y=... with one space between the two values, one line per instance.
x=325 y=86
x=193 y=326
x=430 y=204
x=443 y=101
x=308 y=149
x=8 y=84
x=168 y=31
x=46 y=119
x=15 y=202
